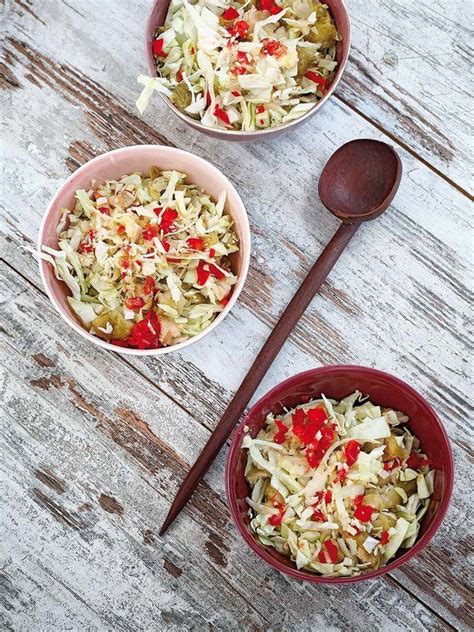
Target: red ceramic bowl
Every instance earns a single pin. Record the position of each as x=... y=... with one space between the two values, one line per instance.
x=337 y=382
x=339 y=12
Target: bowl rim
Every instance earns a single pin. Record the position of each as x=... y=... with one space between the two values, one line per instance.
x=68 y=317
x=420 y=544
x=251 y=134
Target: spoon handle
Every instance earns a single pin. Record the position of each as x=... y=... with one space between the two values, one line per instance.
x=262 y=363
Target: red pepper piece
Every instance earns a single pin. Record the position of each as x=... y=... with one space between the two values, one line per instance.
x=134 y=302
x=212 y=253
x=266 y=5
x=221 y=114
x=415 y=461
x=225 y=300
x=341 y=475
x=150 y=232
x=306 y=426
x=313 y=455
x=318 y=516
x=230 y=14
x=363 y=512
x=149 y=285
x=385 y=537
x=327 y=438
x=273 y=47
x=165 y=245
x=317 y=416
x=351 y=451
x=157 y=210
x=280 y=435
x=104 y=210
x=215 y=271
x=240 y=29
x=146 y=333
x=328 y=496
x=120 y=229
x=330 y=550
x=274 y=10
x=167 y=220
x=358 y=499
x=196 y=243
x=234 y=93
x=85 y=246
x=202 y=273
x=260 y=109
x=313 y=76
x=388 y=466
x=158 y=48
x=179 y=76
x=276 y=519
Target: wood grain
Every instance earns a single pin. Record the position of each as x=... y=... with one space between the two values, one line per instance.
x=96 y=426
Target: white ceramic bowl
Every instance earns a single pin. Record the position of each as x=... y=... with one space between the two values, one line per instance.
x=113 y=165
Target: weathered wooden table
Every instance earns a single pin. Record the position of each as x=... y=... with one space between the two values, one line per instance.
x=94 y=444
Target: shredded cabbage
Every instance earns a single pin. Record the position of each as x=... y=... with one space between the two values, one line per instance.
x=234 y=65
x=331 y=485
x=146 y=259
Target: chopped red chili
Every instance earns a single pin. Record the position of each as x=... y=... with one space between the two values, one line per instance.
x=196 y=243
x=158 y=48
x=363 y=512
x=388 y=466
x=104 y=210
x=230 y=14
x=328 y=496
x=120 y=229
x=217 y=272
x=234 y=93
x=150 y=232
x=202 y=273
x=415 y=461
x=385 y=537
x=331 y=551
x=165 y=245
x=351 y=451
x=273 y=47
x=260 y=109
x=179 y=76
x=358 y=499
x=212 y=253
x=134 y=302
x=320 y=81
x=280 y=436
x=146 y=333
x=167 y=220
x=149 y=285
x=318 y=516
x=221 y=114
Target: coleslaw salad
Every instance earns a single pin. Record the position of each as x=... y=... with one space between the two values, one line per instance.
x=339 y=487
x=231 y=78
x=137 y=258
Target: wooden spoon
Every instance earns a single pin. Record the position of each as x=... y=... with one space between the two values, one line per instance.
x=357 y=184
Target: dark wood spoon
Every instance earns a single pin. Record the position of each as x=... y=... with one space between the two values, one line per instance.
x=357 y=184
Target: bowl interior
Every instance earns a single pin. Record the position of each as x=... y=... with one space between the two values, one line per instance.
x=338 y=10
x=336 y=383
x=120 y=162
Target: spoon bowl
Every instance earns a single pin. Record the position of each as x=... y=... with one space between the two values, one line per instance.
x=360 y=180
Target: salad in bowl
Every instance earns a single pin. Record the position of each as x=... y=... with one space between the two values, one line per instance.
x=243 y=66
x=146 y=258
x=337 y=486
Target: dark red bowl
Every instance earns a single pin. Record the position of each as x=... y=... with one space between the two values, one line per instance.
x=337 y=382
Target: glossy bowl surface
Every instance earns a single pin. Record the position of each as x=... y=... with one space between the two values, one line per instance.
x=341 y=17
x=113 y=165
x=337 y=382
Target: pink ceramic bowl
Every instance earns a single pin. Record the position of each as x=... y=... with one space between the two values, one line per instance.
x=341 y=17
x=336 y=382
x=113 y=165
